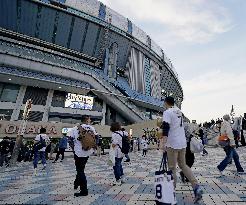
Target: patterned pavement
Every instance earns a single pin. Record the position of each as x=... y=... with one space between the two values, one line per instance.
x=55 y=186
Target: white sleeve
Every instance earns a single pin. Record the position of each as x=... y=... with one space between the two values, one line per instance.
x=114 y=139
x=37 y=138
x=48 y=139
x=94 y=131
x=71 y=133
x=167 y=117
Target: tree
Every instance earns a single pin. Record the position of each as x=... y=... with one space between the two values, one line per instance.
x=21 y=132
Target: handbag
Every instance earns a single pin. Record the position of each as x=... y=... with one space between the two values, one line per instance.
x=164 y=185
x=223 y=141
x=196 y=145
x=111 y=160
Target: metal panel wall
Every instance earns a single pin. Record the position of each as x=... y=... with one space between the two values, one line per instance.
x=28 y=19
x=147 y=76
x=46 y=27
x=124 y=45
x=8 y=14
x=90 y=39
x=78 y=33
x=38 y=95
x=63 y=28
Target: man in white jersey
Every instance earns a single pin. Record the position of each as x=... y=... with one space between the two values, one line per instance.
x=81 y=156
x=175 y=144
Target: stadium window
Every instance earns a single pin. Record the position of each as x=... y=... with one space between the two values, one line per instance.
x=8 y=92
x=5 y=114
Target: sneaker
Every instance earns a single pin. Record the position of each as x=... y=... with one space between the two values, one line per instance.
x=128 y=160
x=220 y=172
x=81 y=193
x=35 y=172
x=198 y=194
x=123 y=180
x=75 y=186
x=240 y=171
x=117 y=183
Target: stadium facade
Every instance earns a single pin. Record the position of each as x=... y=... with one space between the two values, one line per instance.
x=76 y=57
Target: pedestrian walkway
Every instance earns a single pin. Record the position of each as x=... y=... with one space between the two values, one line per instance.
x=56 y=185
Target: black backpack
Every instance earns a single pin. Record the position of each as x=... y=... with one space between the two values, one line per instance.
x=39 y=145
x=125 y=143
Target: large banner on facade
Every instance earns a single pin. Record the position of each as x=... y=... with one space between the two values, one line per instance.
x=79 y=101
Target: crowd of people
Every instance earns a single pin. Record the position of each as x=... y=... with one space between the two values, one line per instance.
x=175 y=140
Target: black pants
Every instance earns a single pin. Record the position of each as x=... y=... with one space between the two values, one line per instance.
x=144 y=152
x=61 y=151
x=189 y=158
x=80 y=179
x=243 y=139
x=236 y=137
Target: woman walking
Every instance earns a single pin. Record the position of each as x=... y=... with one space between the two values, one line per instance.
x=117 y=135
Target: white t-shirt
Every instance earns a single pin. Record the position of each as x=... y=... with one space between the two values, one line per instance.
x=176 y=135
x=144 y=144
x=74 y=134
x=45 y=137
x=117 y=140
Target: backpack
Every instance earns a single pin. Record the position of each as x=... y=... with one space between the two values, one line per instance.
x=125 y=143
x=87 y=138
x=40 y=144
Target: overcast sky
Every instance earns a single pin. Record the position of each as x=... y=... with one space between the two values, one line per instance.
x=206 y=41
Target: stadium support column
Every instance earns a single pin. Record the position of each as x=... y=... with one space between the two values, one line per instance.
x=47 y=106
x=19 y=103
x=103 y=122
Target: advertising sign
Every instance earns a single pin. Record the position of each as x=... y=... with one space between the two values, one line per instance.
x=77 y=101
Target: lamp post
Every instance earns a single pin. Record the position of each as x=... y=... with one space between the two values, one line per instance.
x=21 y=132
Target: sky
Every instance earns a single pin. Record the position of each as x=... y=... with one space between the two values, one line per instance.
x=206 y=42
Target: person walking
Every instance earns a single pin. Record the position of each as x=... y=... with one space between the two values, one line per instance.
x=202 y=137
x=52 y=149
x=99 y=146
x=175 y=145
x=236 y=130
x=61 y=149
x=117 y=135
x=40 y=143
x=81 y=156
x=230 y=150
x=4 y=151
x=144 y=144
x=189 y=156
x=125 y=134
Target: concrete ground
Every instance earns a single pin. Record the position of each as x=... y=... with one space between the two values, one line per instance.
x=55 y=186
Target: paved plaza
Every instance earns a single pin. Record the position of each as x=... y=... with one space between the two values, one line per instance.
x=55 y=186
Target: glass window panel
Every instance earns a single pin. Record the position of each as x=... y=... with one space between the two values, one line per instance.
x=5 y=114
x=9 y=93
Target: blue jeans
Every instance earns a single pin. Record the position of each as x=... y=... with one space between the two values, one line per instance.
x=37 y=156
x=118 y=170
x=230 y=153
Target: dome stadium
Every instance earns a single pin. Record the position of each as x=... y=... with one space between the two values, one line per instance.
x=77 y=57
